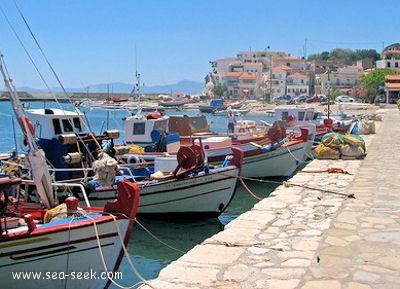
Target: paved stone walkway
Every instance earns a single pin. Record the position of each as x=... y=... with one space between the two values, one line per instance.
x=309 y=235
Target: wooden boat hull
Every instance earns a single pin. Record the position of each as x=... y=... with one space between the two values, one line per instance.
x=203 y=195
x=65 y=257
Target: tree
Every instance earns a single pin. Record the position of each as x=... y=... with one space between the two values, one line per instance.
x=372 y=81
x=219 y=89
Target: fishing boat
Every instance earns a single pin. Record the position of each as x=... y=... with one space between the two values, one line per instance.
x=180 y=184
x=295 y=116
x=237 y=112
x=72 y=152
x=268 y=150
x=44 y=235
x=219 y=104
x=215 y=103
x=149 y=131
x=50 y=243
x=172 y=101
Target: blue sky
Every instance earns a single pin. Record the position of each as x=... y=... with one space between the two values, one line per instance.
x=90 y=42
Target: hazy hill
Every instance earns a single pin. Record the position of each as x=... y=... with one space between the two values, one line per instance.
x=184 y=86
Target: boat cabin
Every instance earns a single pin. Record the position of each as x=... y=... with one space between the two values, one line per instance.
x=51 y=123
x=293 y=116
x=150 y=131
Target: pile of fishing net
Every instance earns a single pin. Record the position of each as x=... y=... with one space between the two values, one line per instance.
x=364 y=126
x=335 y=145
x=105 y=168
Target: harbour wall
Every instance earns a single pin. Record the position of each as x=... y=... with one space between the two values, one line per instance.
x=318 y=230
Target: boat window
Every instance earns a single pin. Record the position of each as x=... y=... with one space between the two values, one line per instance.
x=56 y=126
x=285 y=115
x=77 y=123
x=67 y=125
x=160 y=125
x=138 y=128
x=309 y=115
x=301 y=115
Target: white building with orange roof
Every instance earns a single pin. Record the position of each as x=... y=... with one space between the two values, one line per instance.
x=297 y=84
x=392 y=88
x=276 y=80
x=344 y=78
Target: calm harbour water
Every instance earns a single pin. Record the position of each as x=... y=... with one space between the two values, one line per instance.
x=149 y=255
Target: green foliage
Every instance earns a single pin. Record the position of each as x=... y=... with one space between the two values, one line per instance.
x=220 y=89
x=373 y=80
x=347 y=55
x=398 y=104
x=334 y=92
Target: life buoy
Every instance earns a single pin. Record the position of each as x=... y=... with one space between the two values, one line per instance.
x=25 y=120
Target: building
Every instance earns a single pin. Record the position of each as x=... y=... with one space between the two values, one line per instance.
x=392 y=88
x=297 y=84
x=345 y=78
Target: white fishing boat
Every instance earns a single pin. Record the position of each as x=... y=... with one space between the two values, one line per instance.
x=44 y=237
x=72 y=151
x=268 y=151
x=181 y=184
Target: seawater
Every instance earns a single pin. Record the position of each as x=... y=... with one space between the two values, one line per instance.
x=148 y=254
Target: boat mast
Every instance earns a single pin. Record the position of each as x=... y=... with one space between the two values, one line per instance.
x=35 y=156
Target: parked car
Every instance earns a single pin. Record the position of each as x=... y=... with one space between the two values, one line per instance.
x=345 y=98
x=314 y=98
x=301 y=98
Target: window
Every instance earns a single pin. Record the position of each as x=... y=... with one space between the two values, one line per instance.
x=396 y=64
x=139 y=128
x=77 y=124
x=67 y=125
x=56 y=126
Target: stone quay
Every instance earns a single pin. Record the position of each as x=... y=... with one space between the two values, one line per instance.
x=320 y=230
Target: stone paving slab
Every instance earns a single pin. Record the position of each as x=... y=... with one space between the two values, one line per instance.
x=309 y=235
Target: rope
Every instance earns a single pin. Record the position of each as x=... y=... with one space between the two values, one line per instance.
x=157 y=239
x=125 y=252
x=351 y=195
x=248 y=190
x=328 y=170
x=288 y=184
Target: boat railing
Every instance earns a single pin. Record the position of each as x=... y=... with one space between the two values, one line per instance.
x=57 y=185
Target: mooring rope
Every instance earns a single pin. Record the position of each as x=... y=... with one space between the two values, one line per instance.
x=288 y=184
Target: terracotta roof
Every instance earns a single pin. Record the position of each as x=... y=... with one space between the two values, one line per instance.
x=230 y=74
x=248 y=75
x=395 y=85
x=392 y=77
x=281 y=68
x=297 y=75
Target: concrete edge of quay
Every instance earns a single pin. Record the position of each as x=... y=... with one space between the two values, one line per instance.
x=309 y=234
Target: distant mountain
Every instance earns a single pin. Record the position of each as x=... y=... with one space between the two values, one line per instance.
x=184 y=86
